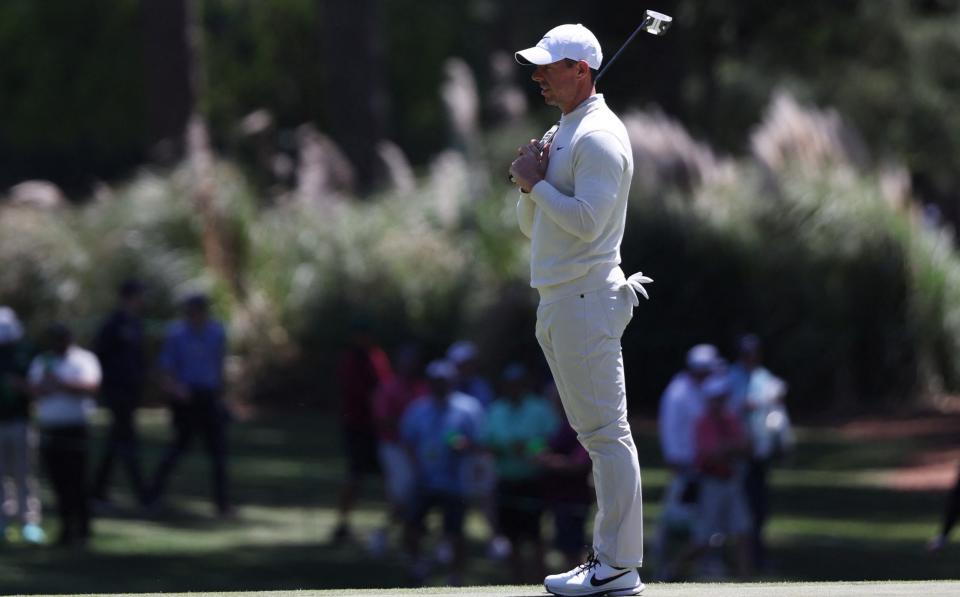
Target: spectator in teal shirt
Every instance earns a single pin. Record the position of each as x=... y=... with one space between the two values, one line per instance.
x=519 y=426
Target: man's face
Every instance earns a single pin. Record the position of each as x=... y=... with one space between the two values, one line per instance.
x=196 y=316
x=59 y=343
x=558 y=82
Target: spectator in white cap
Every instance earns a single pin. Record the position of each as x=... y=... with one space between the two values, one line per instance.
x=479 y=470
x=439 y=431
x=16 y=433
x=465 y=356
x=722 y=449
x=681 y=405
x=572 y=206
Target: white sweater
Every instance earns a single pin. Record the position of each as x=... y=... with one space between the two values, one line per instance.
x=575 y=217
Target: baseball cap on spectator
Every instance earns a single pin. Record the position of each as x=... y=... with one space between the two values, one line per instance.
x=441 y=369
x=575 y=42
x=10 y=328
x=462 y=351
x=702 y=358
x=196 y=300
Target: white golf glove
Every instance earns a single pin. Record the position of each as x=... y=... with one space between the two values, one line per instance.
x=635 y=284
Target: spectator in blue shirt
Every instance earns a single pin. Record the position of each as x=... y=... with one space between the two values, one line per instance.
x=439 y=431
x=192 y=362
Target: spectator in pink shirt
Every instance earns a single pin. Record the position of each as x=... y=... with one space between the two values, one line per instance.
x=722 y=449
x=363 y=367
x=390 y=402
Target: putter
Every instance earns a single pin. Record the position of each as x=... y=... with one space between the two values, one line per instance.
x=654 y=23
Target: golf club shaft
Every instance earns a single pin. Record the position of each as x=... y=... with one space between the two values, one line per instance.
x=654 y=23
x=620 y=51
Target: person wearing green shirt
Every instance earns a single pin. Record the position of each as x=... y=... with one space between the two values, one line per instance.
x=520 y=424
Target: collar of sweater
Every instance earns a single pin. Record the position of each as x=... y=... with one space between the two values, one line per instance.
x=588 y=105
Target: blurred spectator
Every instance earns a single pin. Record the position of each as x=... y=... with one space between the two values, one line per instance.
x=389 y=403
x=439 y=431
x=566 y=469
x=757 y=397
x=950 y=514
x=362 y=368
x=680 y=407
x=63 y=379
x=465 y=356
x=17 y=439
x=122 y=353
x=519 y=425
x=192 y=363
x=722 y=449
x=480 y=482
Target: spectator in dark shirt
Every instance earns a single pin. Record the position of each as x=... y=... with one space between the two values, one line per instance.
x=120 y=348
x=951 y=513
x=192 y=363
x=363 y=367
x=390 y=402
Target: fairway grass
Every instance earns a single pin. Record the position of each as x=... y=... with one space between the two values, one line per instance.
x=845 y=589
x=833 y=520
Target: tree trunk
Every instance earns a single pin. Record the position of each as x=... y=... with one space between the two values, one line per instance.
x=170 y=90
x=356 y=96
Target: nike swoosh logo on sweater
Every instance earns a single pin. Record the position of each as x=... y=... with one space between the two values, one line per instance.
x=599 y=582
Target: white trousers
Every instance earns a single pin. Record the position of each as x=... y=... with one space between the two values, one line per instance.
x=580 y=337
x=18 y=491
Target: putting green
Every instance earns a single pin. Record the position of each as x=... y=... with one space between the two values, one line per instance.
x=844 y=589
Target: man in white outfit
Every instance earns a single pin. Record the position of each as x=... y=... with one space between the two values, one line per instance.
x=573 y=208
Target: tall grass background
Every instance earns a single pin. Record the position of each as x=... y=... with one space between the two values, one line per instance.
x=806 y=240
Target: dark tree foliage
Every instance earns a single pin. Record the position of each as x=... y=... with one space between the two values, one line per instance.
x=82 y=99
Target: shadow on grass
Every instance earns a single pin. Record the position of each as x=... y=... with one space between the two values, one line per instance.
x=825 y=558
x=282 y=567
x=286 y=471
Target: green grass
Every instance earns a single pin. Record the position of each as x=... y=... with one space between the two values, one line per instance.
x=847 y=589
x=832 y=521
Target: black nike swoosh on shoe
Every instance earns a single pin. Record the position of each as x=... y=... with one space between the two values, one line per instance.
x=599 y=582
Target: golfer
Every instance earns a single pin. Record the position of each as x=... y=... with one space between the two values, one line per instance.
x=573 y=207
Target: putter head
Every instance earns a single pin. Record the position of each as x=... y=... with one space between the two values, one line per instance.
x=656 y=23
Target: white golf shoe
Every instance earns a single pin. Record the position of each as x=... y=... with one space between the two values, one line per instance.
x=594 y=578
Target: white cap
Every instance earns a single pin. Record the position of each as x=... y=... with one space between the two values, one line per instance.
x=10 y=328
x=702 y=357
x=462 y=351
x=575 y=42
x=441 y=369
